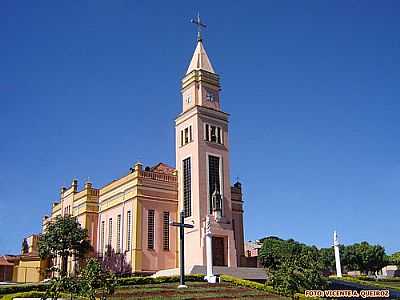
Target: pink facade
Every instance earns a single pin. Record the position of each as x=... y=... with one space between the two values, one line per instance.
x=203 y=159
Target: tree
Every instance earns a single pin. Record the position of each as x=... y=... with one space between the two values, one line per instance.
x=63 y=237
x=327 y=257
x=58 y=285
x=291 y=266
x=94 y=278
x=25 y=247
x=364 y=257
x=115 y=262
x=394 y=259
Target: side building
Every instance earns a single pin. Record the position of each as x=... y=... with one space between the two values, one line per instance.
x=84 y=205
x=129 y=215
x=134 y=216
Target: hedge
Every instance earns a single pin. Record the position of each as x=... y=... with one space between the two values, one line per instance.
x=32 y=294
x=248 y=283
x=258 y=286
x=17 y=288
x=156 y=280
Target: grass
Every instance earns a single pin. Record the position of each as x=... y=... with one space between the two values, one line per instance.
x=394 y=284
x=195 y=290
x=387 y=284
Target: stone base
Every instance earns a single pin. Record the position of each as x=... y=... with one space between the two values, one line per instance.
x=211 y=279
x=241 y=272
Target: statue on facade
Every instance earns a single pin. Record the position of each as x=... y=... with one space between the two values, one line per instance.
x=216 y=201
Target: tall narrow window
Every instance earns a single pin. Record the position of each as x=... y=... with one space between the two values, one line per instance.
x=182 y=141
x=186 y=135
x=166 y=230
x=110 y=229
x=150 y=229
x=219 y=137
x=128 y=224
x=118 y=250
x=187 y=187
x=213 y=134
x=213 y=177
x=102 y=237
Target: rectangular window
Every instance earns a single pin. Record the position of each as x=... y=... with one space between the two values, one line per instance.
x=118 y=250
x=182 y=141
x=128 y=224
x=110 y=229
x=213 y=134
x=187 y=187
x=166 y=230
x=207 y=133
x=186 y=135
x=213 y=177
x=102 y=237
x=150 y=229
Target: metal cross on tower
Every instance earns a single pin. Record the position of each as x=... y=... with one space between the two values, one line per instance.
x=182 y=227
x=199 y=25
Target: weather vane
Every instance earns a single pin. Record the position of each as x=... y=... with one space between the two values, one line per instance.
x=199 y=25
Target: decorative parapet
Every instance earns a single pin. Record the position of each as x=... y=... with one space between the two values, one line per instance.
x=56 y=207
x=157 y=176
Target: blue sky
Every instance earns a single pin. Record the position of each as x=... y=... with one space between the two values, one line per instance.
x=87 y=88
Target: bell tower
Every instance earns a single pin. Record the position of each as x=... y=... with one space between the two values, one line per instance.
x=202 y=161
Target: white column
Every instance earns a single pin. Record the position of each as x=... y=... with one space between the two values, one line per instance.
x=337 y=255
x=209 y=255
x=210 y=276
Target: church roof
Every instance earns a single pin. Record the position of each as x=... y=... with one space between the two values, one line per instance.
x=5 y=262
x=200 y=60
x=163 y=168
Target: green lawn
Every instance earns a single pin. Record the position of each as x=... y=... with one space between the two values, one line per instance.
x=195 y=290
x=395 y=284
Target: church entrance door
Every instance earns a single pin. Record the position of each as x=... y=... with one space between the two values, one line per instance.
x=218 y=251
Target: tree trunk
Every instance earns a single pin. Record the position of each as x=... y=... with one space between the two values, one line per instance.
x=64 y=265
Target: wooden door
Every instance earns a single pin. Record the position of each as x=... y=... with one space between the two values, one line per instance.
x=218 y=251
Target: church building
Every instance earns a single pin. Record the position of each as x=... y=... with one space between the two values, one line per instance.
x=132 y=214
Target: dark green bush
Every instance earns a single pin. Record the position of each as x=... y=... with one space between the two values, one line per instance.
x=156 y=280
x=17 y=288
x=31 y=294
x=247 y=283
x=258 y=286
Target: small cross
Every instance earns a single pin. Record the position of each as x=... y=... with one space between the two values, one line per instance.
x=182 y=227
x=199 y=25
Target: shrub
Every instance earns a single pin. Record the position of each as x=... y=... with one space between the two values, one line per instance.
x=94 y=278
x=247 y=283
x=18 y=288
x=32 y=294
x=156 y=280
x=258 y=286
